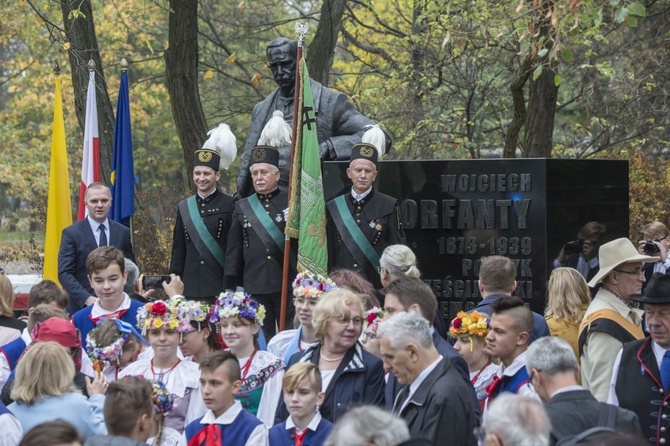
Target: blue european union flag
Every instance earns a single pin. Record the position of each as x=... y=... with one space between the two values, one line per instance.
x=122 y=178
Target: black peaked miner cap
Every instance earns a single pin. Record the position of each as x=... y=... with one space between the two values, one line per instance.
x=208 y=158
x=365 y=151
x=265 y=154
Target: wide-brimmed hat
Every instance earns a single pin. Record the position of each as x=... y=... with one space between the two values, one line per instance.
x=657 y=291
x=615 y=253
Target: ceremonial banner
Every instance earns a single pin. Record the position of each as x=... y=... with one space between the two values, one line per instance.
x=122 y=177
x=90 y=168
x=307 y=205
x=59 y=207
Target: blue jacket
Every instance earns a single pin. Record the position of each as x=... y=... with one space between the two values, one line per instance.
x=540 y=327
x=281 y=436
x=358 y=380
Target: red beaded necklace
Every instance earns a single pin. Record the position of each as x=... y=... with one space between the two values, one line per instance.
x=247 y=365
x=162 y=377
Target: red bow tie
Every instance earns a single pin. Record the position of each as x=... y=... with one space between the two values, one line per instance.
x=493 y=386
x=209 y=436
x=115 y=315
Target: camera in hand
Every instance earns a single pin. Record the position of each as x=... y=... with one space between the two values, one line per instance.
x=573 y=247
x=651 y=249
x=154 y=282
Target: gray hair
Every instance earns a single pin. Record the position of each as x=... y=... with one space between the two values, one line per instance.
x=518 y=420
x=274 y=169
x=404 y=328
x=368 y=424
x=133 y=275
x=399 y=260
x=551 y=355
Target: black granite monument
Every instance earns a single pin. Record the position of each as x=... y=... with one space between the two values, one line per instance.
x=455 y=212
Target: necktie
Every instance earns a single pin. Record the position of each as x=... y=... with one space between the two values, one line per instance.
x=665 y=371
x=299 y=437
x=103 y=236
x=209 y=436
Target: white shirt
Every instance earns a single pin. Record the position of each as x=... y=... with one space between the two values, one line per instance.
x=612 y=397
x=566 y=389
x=311 y=426
x=258 y=437
x=97 y=310
x=95 y=227
x=359 y=197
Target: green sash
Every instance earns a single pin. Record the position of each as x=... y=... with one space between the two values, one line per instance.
x=265 y=220
x=200 y=236
x=352 y=236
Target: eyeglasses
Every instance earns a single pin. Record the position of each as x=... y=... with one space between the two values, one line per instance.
x=345 y=320
x=637 y=272
x=299 y=302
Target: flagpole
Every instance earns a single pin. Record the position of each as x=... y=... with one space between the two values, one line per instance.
x=301 y=31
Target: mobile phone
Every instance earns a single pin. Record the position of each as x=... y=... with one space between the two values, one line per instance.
x=154 y=282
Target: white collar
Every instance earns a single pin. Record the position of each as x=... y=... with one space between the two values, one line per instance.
x=98 y=311
x=203 y=197
x=311 y=426
x=423 y=375
x=516 y=365
x=658 y=353
x=360 y=196
x=225 y=418
x=95 y=225
x=566 y=389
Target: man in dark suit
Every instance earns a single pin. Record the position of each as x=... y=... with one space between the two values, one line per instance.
x=411 y=294
x=79 y=239
x=362 y=222
x=255 y=254
x=553 y=369
x=434 y=401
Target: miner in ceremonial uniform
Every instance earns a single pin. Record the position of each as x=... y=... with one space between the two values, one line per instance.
x=203 y=220
x=255 y=255
x=641 y=375
x=362 y=223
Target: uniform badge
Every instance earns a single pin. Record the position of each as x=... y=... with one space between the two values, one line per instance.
x=279 y=218
x=258 y=154
x=204 y=156
x=367 y=152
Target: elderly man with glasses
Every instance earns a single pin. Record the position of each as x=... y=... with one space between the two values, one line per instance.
x=612 y=317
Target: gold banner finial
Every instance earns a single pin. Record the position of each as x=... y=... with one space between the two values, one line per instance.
x=91 y=65
x=124 y=64
x=56 y=68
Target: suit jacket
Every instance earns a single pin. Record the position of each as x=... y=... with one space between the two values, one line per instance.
x=457 y=362
x=76 y=244
x=440 y=409
x=249 y=263
x=338 y=127
x=202 y=279
x=378 y=217
x=575 y=411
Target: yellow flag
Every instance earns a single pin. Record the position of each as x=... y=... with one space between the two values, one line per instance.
x=59 y=208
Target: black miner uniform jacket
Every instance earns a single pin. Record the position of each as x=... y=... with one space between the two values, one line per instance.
x=378 y=217
x=202 y=280
x=639 y=388
x=249 y=262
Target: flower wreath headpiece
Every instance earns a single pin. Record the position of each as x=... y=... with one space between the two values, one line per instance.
x=236 y=304
x=195 y=311
x=170 y=314
x=373 y=317
x=308 y=284
x=469 y=324
x=102 y=355
x=161 y=398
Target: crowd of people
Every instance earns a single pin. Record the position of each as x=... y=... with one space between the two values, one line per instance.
x=367 y=359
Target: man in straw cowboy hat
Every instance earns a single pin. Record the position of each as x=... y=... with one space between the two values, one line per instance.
x=641 y=374
x=612 y=317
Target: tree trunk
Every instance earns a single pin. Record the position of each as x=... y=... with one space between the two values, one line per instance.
x=322 y=49
x=181 y=62
x=81 y=35
x=418 y=78
x=519 y=100
x=543 y=92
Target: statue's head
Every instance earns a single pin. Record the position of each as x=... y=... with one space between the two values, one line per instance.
x=282 y=54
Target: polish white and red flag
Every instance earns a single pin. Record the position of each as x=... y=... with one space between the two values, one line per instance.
x=90 y=168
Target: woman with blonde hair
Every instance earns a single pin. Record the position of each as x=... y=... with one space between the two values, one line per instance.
x=397 y=261
x=350 y=375
x=43 y=391
x=568 y=299
x=10 y=327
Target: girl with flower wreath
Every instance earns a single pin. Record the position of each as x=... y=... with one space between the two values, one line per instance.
x=470 y=330
x=163 y=402
x=201 y=339
x=373 y=318
x=164 y=322
x=307 y=288
x=240 y=319
x=112 y=345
